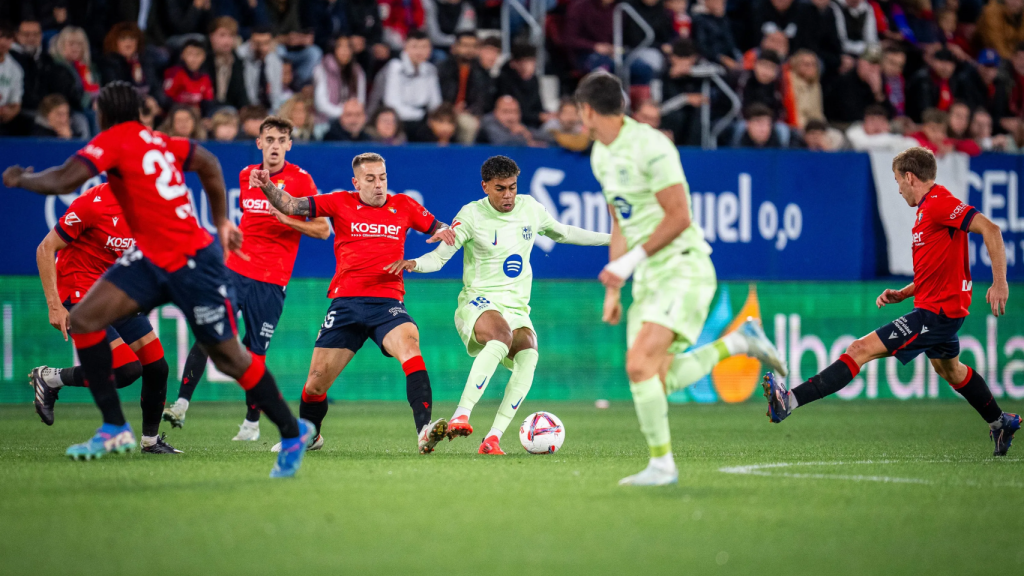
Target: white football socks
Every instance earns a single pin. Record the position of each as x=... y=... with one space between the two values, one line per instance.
x=735 y=342
x=460 y=411
x=495 y=432
x=663 y=462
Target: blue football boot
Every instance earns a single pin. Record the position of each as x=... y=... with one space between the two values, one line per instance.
x=108 y=438
x=1003 y=437
x=778 y=397
x=292 y=450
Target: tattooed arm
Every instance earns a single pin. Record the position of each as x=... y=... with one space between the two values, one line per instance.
x=283 y=201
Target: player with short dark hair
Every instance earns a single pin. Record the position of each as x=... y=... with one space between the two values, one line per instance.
x=942 y=296
x=655 y=240
x=263 y=266
x=90 y=236
x=366 y=300
x=493 y=314
x=173 y=260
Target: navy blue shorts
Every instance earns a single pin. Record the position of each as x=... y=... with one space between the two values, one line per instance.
x=261 y=304
x=203 y=290
x=350 y=321
x=922 y=331
x=129 y=329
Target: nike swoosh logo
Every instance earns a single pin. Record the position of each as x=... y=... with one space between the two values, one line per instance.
x=516 y=405
x=482 y=382
x=495 y=243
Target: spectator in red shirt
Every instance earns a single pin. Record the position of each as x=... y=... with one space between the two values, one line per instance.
x=934 y=135
x=186 y=83
x=935 y=86
x=399 y=18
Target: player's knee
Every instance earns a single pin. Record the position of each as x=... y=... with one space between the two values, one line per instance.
x=857 y=349
x=157 y=370
x=315 y=384
x=501 y=334
x=82 y=323
x=232 y=361
x=639 y=367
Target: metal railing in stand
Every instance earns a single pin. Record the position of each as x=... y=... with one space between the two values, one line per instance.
x=623 y=61
x=536 y=24
x=711 y=73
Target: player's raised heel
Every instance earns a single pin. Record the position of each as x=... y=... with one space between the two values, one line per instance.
x=778 y=397
x=1003 y=437
x=108 y=438
x=431 y=434
x=459 y=428
x=45 y=396
x=175 y=415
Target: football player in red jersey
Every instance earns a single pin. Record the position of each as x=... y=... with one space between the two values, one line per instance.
x=942 y=295
x=173 y=260
x=366 y=300
x=90 y=236
x=263 y=266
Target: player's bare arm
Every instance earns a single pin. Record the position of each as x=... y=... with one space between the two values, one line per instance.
x=317 y=228
x=999 y=292
x=207 y=167
x=58 y=315
x=54 y=181
x=283 y=201
x=612 y=311
x=890 y=296
x=677 y=219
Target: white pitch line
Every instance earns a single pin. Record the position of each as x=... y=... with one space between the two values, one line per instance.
x=768 y=470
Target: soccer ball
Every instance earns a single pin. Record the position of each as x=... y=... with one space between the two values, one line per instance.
x=542 y=433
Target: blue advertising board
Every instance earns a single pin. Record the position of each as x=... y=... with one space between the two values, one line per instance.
x=993 y=188
x=769 y=215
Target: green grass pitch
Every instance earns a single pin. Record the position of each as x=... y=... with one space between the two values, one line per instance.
x=899 y=488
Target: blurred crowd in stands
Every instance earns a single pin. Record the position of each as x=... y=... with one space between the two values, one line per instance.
x=816 y=74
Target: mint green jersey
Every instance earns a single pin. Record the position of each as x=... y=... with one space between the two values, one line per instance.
x=640 y=163
x=497 y=248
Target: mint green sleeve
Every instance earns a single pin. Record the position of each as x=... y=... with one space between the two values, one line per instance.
x=563 y=233
x=660 y=164
x=434 y=261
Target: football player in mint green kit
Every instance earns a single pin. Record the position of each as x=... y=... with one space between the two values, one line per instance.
x=493 y=315
x=674 y=282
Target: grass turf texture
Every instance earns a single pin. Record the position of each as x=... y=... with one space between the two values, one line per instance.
x=369 y=503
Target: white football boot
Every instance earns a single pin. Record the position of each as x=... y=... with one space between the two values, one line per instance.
x=760 y=347
x=653 y=475
x=431 y=434
x=248 y=432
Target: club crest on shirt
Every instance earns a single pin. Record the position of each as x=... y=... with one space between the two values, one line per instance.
x=919 y=216
x=392 y=209
x=527 y=232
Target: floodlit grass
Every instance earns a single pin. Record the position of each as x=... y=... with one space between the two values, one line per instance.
x=899 y=488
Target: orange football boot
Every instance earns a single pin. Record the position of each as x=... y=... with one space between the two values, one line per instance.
x=459 y=426
x=490 y=446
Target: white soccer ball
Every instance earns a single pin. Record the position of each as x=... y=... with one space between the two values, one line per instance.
x=542 y=433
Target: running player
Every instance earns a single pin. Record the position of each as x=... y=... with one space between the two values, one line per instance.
x=493 y=315
x=263 y=266
x=942 y=296
x=674 y=280
x=366 y=301
x=89 y=237
x=173 y=260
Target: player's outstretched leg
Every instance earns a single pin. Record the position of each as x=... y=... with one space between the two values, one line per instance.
x=689 y=367
x=642 y=363
x=47 y=381
x=969 y=384
x=195 y=365
x=493 y=332
x=835 y=377
x=324 y=368
x=524 y=364
x=154 y=394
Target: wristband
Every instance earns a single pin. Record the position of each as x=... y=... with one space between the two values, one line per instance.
x=624 y=265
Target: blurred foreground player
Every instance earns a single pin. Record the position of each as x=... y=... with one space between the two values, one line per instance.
x=88 y=238
x=942 y=296
x=263 y=266
x=493 y=316
x=655 y=240
x=173 y=260
x=366 y=300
